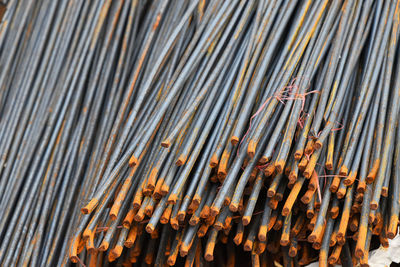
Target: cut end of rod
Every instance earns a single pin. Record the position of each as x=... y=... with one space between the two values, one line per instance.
x=104 y=246
x=298 y=154
x=262 y=234
x=86 y=234
x=234 y=140
x=374 y=205
x=214 y=161
x=359 y=252
x=181 y=160
x=285 y=211
x=248 y=245
x=317 y=144
x=150 y=228
x=214 y=211
x=234 y=207
x=181 y=215
x=133 y=161
x=246 y=220
x=196 y=200
x=73 y=259
x=329 y=165
x=90 y=206
x=209 y=257
x=279 y=165
x=251 y=148
x=166 y=143
x=344 y=171
x=117 y=251
x=172 y=199
x=113 y=216
x=184 y=250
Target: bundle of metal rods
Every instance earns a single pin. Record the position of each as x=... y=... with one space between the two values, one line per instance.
x=198 y=132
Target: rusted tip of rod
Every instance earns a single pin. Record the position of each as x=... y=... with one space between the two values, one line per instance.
x=139 y=216
x=270 y=192
x=233 y=207
x=133 y=161
x=166 y=143
x=172 y=198
x=341 y=193
x=234 y=140
x=238 y=239
x=263 y=160
x=248 y=245
x=284 y=242
x=221 y=173
x=298 y=154
x=374 y=205
x=214 y=211
x=359 y=253
x=164 y=189
x=372 y=174
x=86 y=234
x=137 y=201
x=364 y=262
x=165 y=217
x=269 y=170
x=292 y=252
x=90 y=206
x=308 y=172
x=104 y=246
x=157 y=195
x=343 y=170
x=246 y=220
x=279 y=166
x=332 y=260
x=309 y=214
x=391 y=235
x=150 y=228
x=184 y=249
x=303 y=163
x=117 y=251
x=181 y=215
x=92 y=250
x=262 y=233
x=209 y=257
x=361 y=187
x=218 y=225
x=251 y=148
x=371 y=218
x=214 y=161
x=312 y=238
x=349 y=180
x=111 y=257
x=329 y=165
x=113 y=216
x=74 y=258
x=194 y=220
x=334 y=212
x=171 y=261
x=385 y=191
x=317 y=144
x=285 y=211
x=335 y=184
x=126 y=224
x=196 y=200
x=174 y=223
x=73 y=255
x=181 y=160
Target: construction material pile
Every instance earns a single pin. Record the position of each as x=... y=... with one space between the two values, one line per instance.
x=186 y=132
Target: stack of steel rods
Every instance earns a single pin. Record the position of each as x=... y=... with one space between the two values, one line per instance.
x=222 y=132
